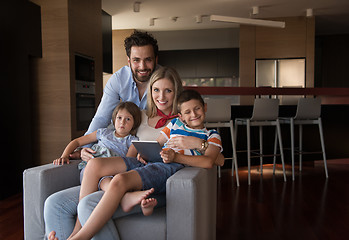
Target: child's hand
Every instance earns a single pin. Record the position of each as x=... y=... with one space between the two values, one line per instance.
x=168 y=155
x=61 y=161
x=139 y=158
x=219 y=160
x=75 y=155
x=86 y=154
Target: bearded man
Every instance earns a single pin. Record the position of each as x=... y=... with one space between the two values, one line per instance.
x=131 y=81
x=127 y=84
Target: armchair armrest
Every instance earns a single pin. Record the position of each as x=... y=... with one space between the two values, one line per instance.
x=39 y=183
x=191 y=197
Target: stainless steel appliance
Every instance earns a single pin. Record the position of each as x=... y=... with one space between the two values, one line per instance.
x=281 y=73
x=84 y=90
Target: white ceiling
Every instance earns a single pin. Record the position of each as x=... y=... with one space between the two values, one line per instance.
x=331 y=15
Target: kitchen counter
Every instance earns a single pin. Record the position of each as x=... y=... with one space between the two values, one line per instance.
x=328 y=95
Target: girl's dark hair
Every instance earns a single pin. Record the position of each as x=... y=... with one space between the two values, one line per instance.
x=139 y=39
x=134 y=110
x=187 y=95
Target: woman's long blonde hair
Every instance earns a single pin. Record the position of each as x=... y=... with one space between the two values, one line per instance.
x=170 y=74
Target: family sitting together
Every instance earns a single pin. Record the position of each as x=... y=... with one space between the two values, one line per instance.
x=144 y=102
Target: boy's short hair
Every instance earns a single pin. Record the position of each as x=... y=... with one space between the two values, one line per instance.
x=134 y=110
x=140 y=39
x=187 y=95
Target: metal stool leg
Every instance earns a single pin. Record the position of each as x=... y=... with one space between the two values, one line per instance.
x=261 y=149
x=281 y=148
x=219 y=167
x=300 y=146
x=323 y=146
x=248 y=151
x=292 y=145
x=234 y=163
x=275 y=150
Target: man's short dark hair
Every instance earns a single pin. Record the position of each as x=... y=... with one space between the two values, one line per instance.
x=139 y=39
x=187 y=95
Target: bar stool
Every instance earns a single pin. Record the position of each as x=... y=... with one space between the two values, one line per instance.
x=218 y=115
x=265 y=113
x=308 y=112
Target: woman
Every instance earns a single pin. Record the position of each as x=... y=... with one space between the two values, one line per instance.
x=162 y=101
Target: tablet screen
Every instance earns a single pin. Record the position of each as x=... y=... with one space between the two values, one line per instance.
x=149 y=150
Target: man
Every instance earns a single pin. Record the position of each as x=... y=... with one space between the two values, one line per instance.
x=129 y=83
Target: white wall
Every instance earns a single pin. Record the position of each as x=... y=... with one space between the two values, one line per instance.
x=198 y=39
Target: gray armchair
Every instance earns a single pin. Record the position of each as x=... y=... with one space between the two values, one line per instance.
x=190 y=211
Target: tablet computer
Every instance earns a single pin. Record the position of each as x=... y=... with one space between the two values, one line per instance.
x=149 y=150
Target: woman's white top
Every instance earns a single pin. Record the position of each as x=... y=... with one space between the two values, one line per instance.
x=146 y=132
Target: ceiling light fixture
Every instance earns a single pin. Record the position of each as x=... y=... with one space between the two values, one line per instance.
x=248 y=21
x=173 y=19
x=255 y=10
x=151 y=21
x=136 y=6
x=198 y=19
x=309 y=12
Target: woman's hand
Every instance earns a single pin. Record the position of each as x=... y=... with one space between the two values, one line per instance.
x=168 y=155
x=139 y=158
x=61 y=161
x=86 y=154
x=185 y=142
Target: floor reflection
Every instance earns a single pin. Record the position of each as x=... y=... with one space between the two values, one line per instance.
x=270 y=208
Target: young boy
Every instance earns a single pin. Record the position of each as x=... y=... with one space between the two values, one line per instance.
x=191 y=109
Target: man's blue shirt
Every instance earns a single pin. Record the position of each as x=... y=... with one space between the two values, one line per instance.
x=120 y=86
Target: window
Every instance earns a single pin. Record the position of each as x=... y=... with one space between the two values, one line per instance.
x=211 y=82
x=280 y=72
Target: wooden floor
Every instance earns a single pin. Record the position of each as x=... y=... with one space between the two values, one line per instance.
x=310 y=207
x=11 y=218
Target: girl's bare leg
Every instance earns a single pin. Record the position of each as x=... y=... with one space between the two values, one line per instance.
x=95 y=169
x=105 y=183
x=121 y=183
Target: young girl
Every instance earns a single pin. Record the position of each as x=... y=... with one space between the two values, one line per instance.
x=126 y=119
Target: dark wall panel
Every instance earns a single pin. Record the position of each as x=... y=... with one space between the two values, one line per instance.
x=107 y=42
x=331 y=61
x=20 y=40
x=202 y=62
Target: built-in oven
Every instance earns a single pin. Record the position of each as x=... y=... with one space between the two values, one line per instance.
x=85 y=110
x=84 y=90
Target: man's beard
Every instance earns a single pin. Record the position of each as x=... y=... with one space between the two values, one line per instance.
x=142 y=78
